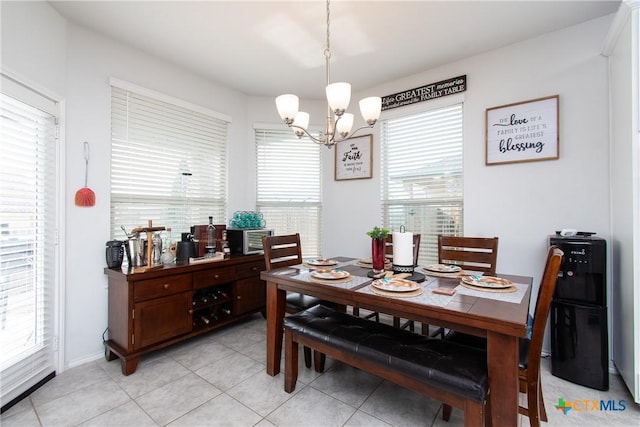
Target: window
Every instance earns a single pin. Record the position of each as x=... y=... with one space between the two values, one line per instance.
x=168 y=162
x=28 y=228
x=288 y=186
x=422 y=175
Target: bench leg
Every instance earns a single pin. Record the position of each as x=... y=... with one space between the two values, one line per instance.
x=290 y=361
x=318 y=360
x=446 y=412
x=307 y=356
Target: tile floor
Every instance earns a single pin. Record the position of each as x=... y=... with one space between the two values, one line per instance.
x=219 y=380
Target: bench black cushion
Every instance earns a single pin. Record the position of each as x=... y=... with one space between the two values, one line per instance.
x=481 y=343
x=459 y=369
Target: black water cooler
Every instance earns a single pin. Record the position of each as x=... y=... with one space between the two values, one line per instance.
x=578 y=322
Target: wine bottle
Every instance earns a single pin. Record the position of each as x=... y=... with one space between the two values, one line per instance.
x=210 y=246
x=205 y=319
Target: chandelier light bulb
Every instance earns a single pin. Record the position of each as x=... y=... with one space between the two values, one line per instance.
x=344 y=124
x=370 y=109
x=301 y=123
x=338 y=96
x=287 y=106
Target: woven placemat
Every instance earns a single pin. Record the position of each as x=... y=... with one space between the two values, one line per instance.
x=415 y=293
x=511 y=288
x=330 y=281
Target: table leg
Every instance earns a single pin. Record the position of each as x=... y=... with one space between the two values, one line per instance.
x=276 y=300
x=502 y=360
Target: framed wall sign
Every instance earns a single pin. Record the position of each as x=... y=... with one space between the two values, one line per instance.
x=523 y=132
x=353 y=158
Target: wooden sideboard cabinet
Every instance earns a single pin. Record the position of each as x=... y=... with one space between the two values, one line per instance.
x=160 y=307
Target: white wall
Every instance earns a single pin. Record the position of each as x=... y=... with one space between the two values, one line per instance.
x=38 y=44
x=34 y=43
x=520 y=203
x=625 y=155
x=92 y=60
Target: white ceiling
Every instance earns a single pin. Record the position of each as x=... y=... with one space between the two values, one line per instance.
x=266 y=48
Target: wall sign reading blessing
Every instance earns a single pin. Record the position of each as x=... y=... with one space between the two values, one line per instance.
x=523 y=132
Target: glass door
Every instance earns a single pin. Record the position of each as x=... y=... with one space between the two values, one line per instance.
x=28 y=227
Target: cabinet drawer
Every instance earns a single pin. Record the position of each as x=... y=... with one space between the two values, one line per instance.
x=249 y=269
x=215 y=276
x=160 y=287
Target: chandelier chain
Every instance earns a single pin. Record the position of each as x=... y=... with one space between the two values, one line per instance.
x=328 y=47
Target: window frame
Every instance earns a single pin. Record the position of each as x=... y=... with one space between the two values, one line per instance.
x=310 y=233
x=187 y=202
x=428 y=244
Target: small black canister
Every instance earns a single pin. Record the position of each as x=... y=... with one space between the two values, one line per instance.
x=114 y=253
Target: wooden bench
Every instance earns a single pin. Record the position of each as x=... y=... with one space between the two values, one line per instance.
x=445 y=371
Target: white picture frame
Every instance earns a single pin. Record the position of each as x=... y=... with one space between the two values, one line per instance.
x=353 y=158
x=523 y=132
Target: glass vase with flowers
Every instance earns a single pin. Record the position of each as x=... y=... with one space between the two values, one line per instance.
x=378 y=248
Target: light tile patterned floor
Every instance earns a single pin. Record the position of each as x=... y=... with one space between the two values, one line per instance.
x=220 y=380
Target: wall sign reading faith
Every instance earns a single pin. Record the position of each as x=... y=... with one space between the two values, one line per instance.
x=523 y=132
x=353 y=158
x=425 y=93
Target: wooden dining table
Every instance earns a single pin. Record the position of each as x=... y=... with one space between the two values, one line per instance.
x=501 y=320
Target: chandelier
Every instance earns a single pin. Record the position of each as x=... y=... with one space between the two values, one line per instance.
x=338 y=97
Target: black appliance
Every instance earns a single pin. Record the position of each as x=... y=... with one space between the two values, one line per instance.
x=579 y=334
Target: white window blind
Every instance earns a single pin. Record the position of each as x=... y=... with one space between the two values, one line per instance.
x=288 y=186
x=27 y=242
x=422 y=175
x=168 y=164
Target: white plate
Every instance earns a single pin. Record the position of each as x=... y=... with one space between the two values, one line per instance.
x=395 y=285
x=321 y=262
x=443 y=268
x=487 y=282
x=329 y=274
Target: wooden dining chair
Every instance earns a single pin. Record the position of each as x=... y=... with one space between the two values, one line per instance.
x=529 y=379
x=285 y=251
x=470 y=253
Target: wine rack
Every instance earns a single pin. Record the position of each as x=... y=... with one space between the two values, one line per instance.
x=211 y=306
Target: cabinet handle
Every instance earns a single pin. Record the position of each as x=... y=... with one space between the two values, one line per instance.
x=166 y=286
x=190 y=311
x=254 y=268
x=215 y=276
x=239 y=297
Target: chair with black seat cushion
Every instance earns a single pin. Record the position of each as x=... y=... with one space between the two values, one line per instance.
x=284 y=251
x=530 y=348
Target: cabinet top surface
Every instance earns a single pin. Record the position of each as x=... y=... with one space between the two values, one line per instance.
x=183 y=267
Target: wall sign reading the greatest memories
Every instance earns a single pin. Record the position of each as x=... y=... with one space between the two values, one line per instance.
x=523 y=132
x=353 y=158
